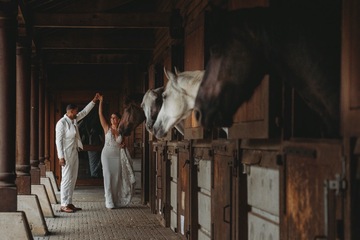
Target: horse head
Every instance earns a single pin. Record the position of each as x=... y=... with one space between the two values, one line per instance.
x=132 y=116
x=178 y=99
x=302 y=50
x=151 y=105
x=236 y=66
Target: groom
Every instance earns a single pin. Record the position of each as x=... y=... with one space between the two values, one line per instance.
x=68 y=142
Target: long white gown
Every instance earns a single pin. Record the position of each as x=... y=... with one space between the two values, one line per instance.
x=119 y=178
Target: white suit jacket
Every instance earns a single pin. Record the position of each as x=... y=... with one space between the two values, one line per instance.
x=67 y=135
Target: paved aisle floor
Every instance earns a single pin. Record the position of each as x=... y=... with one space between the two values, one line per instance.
x=96 y=222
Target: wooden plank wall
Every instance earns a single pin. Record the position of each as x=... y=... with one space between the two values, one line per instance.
x=194 y=60
x=350 y=112
x=350 y=72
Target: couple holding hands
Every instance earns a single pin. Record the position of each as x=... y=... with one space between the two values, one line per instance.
x=119 y=178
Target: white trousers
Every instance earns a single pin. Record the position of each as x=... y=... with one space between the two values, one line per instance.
x=68 y=179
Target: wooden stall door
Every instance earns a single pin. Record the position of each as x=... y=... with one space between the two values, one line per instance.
x=201 y=200
x=137 y=151
x=162 y=176
x=152 y=178
x=184 y=189
x=350 y=71
x=173 y=184
x=350 y=110
x=263 y=193
x=221 y=201
x=259 y=116
x=314 y=190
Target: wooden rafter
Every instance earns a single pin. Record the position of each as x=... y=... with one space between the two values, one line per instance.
x=101 y=20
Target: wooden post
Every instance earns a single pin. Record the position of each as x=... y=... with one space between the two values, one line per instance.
x=23 y=60
x=8 y=32
x=41 y=124
x=47 y=131
x=34 y=123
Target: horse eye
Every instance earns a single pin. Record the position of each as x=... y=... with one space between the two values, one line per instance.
x=164 y=96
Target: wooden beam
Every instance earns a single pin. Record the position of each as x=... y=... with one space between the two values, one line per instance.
x=87 y=6
x=101 y=20
x=95 y=58
x=97 y=40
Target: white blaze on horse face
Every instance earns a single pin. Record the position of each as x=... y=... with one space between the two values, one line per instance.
x=178 y=100
x=146 y=104
x=170 y=112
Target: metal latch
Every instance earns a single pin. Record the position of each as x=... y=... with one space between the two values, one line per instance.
x=246 y=169
x=186 y=162
x=338 y=184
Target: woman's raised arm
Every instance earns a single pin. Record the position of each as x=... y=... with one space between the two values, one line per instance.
x=103 y=121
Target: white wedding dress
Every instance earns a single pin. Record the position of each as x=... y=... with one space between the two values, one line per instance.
x=119 y=178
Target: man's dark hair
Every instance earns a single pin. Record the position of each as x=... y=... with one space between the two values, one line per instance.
x=71 y=106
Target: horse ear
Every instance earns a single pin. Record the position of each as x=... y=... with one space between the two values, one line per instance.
x=169 y=74
x=176 y=71
x=158 y=91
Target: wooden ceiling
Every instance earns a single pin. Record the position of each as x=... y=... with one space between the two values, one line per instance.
x=93 y=31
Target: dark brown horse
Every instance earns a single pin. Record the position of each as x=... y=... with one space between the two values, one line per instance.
x=302 y=48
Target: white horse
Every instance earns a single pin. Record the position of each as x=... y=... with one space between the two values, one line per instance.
x=151 y=105
x=178 y=99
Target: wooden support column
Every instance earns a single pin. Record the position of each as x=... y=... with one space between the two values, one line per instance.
x=41 y=124
x=34 y=123
x=8 y=32
x=23 y=77
x=47 y=131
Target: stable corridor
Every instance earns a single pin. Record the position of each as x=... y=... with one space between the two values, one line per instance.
x=96 y=222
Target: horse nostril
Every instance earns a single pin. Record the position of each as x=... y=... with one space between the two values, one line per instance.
x=198 y=115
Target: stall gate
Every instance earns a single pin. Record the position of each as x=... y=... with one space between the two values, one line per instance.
x=263 y=191
x=202 y=158
x=172 y=159
x=224 y=153
x=180 y=165
x=151 y=176
x=184 y=195
x=161 y=183
x=313 y=181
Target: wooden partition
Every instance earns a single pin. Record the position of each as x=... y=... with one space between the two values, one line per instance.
x=172 y=158
x=350 y=111
x=260 y=116
x=313 y=184
x=162 y=205
x=152 y=201
x=184 y=190
x=202 y=161
x=263 y=192
x=221 y=188
x=194 y=54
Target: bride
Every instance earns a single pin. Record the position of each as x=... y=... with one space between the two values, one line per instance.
x=119 y=178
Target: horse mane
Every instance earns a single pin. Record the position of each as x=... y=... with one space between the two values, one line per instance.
x=190 y=78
